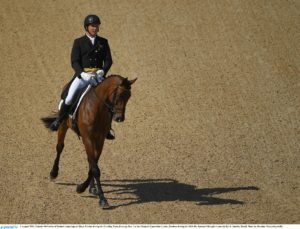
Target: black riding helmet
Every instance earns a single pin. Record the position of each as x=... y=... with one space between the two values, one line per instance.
x=91 y=19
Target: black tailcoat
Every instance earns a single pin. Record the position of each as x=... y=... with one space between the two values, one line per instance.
x=86 y=55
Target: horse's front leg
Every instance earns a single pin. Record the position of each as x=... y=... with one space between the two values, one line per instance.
x=82 y=187
x=61 y=134
x=93 y=189
x=88 y=182
x=93 y=149
x=96 y=173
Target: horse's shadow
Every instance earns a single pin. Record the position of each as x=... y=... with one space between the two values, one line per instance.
x=132 y=192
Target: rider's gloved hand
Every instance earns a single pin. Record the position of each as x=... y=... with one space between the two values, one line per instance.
x=86 y=76
x=100 y=75
x=94 y=81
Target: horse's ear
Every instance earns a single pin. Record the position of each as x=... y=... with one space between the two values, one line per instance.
x=132 y=81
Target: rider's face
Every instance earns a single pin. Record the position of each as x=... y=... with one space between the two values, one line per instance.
x=93 y=29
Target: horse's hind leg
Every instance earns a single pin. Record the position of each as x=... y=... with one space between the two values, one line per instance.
x=61 y=134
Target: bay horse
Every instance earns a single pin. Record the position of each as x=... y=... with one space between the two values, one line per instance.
x=101 y=104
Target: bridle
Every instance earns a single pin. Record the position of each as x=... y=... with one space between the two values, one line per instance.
x=111 y=105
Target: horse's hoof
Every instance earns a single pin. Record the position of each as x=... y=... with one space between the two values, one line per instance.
x=103 y=203
x=53 y=174
x=93 y=191
x=80 y=188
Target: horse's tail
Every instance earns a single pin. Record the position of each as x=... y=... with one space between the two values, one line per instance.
x=49 y=119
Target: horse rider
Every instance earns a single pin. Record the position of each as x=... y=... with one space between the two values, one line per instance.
x=91 y=59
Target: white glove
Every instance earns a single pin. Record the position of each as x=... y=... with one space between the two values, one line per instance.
x=100 y=75
x=93 y=81
x=86 y=76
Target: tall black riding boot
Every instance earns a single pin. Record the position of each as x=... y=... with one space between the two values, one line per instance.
x=63 y=112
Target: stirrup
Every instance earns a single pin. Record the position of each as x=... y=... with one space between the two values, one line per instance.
x=110 y=135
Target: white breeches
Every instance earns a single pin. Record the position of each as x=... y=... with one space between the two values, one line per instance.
x=76 y=85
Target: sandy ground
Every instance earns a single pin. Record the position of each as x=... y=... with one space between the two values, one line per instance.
x=212 y=132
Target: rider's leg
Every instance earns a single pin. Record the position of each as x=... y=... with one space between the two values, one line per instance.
x=66 y=105
x=64 y=109
x=76 y=85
